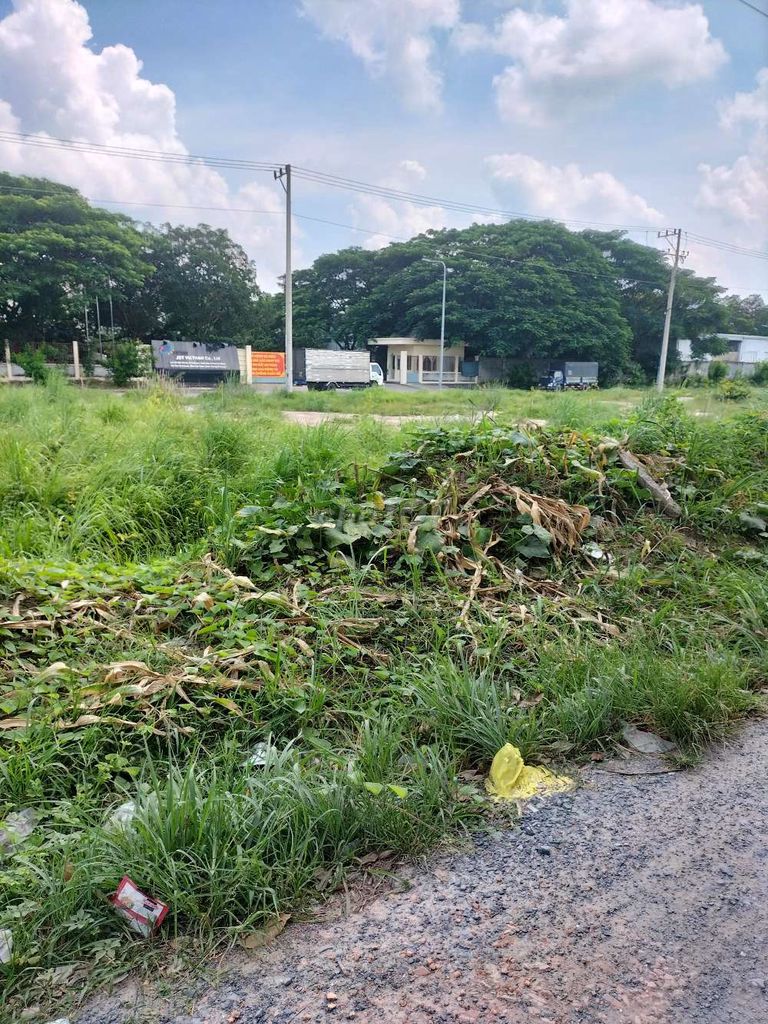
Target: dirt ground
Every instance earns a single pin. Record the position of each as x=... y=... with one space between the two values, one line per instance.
x=634 y=899
x=314 y=419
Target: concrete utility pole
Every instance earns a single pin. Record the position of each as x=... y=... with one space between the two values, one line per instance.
x=442 y=319
x=284 y=177
x=678 y=257
x=98 y=326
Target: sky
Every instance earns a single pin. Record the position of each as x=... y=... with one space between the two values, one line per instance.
x=643 y=114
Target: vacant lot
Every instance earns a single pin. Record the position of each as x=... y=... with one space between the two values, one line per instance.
x=292 y=647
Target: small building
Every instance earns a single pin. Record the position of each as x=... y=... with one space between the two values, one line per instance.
x=417 y=361
x=745 y=352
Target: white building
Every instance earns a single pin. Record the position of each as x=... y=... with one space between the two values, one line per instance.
x=745 y=351
x=413 y=361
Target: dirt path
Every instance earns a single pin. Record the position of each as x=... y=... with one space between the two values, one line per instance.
x=637 y=900
x=313 y=419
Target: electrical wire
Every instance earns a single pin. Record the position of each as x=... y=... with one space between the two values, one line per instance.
x=752 y=7
x=133 y=153
x=729 y=247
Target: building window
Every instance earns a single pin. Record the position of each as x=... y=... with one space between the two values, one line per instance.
x=449 y=364
x=429 y=363
x=411 y=363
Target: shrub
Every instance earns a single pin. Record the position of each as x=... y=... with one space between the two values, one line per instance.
x=733 y=391
x=32 y=362
x=716 y=372
x=760 y=376
x=126 y=362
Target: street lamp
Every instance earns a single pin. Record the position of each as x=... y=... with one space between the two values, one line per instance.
x=442 y=318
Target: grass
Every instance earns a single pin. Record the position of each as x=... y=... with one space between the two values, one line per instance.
x=376 y=622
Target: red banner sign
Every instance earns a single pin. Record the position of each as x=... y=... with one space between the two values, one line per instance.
x=268 y=364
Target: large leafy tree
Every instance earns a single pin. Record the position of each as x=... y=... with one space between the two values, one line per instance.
x=523 y=290
x=642 y=277
x=330 y=299
x=747 y=315
x=203 y=287
x=55 y=251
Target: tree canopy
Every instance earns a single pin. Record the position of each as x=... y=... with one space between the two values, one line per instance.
x=524 y=290
x=203 y=286
x=56 y=249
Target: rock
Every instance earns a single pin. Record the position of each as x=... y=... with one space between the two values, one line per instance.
x=646 y=742
x=545 y=851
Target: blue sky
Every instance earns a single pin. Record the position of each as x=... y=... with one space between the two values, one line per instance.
x=637 y=112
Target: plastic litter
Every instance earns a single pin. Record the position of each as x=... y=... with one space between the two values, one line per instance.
x=258 y=757
x=122 y=817
x=511 y=779
x=143 y=913
x=17 y=827
x=6 y=945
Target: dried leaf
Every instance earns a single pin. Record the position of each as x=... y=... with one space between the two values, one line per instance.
x=262 y=937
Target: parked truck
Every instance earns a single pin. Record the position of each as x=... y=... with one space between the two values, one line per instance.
x=321 y=369
x=572 y=376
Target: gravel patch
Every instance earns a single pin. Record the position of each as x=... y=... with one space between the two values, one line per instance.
x=635 y=899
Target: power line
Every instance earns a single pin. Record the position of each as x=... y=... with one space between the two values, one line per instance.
x=418 y=199
x=752 y=7
x=321 y=177
x=133 y=153
x=729 y=247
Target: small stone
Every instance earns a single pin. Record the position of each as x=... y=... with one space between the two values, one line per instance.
x=545 y=851
x=422 y=972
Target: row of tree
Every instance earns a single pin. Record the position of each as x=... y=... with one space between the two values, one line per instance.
x=526 y=290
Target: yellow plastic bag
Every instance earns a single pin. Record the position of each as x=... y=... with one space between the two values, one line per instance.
x=511 y=779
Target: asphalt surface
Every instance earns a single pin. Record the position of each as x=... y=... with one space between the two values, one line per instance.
x=634 y=899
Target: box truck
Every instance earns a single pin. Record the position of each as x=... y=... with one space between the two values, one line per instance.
x=321 y=369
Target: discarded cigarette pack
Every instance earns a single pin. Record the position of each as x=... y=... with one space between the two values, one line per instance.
x=143 y=913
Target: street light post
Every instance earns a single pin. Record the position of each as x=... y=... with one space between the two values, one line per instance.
x=442 y=318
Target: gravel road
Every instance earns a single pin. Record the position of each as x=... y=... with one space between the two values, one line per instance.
x=635 y=899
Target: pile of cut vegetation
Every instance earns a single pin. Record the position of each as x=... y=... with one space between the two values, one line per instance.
x=329 y=674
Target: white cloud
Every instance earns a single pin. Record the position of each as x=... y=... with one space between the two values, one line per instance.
x=52 y=83
x=392 y=220
x=739 y=191
x=414 y=167
x=392 y=38
x=595 y=49
x=748 y=107
x=568 y=193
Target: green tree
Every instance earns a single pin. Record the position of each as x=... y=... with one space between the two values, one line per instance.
x=55 y=249
x=525 y=290
x=203 y=287
x=748 y=315
x=642 y=277
x=330 y=299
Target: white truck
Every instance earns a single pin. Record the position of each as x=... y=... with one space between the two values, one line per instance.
x=323 y=369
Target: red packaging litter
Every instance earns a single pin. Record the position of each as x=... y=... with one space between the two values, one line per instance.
x=143 y=913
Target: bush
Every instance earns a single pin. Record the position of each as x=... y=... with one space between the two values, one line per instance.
x=522 y=376
x=733 y=391
x=760 y=376
x=126 y=362
x=716 y=372
x=32 y=362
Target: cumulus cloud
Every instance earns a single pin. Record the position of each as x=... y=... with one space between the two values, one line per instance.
x=392 y=220
x=393 y=38
x=740 y=190
x=593 y=49
x=569 y=194
x=54 y=84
